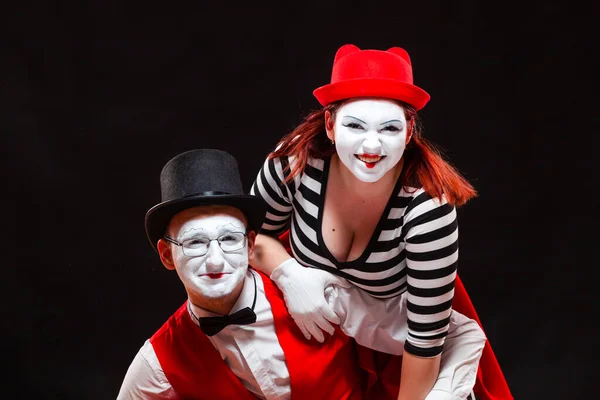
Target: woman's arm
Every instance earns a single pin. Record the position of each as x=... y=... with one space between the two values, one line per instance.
x=303 y=288
x=269 y=253
x=431 y=251
x=380 y=324
x=418 y=376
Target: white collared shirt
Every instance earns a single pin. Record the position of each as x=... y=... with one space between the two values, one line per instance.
x=254 y=354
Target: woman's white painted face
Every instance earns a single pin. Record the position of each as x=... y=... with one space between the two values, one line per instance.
x=215 y=274
x=370 y=137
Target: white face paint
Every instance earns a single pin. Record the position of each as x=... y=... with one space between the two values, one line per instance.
x=370 y=137
x=215 y=274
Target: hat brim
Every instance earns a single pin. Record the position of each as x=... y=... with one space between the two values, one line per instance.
x=370 y=87
x=159 y=216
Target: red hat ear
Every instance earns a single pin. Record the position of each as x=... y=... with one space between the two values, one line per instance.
x=344 y=51
x=401 y=52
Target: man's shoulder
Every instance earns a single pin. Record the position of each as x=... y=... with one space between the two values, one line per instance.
x=269 y=288
x=266 y=281
x=171 y=323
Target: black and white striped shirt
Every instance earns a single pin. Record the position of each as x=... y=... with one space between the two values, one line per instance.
x=413 y=251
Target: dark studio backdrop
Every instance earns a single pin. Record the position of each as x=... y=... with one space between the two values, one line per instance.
x=96 y=97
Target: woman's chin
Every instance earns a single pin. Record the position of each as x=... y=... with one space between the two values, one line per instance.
x=369 y=176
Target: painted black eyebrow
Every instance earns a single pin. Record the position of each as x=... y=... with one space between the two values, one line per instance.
x=221 y=230
x=200 y=230
x=358 y=119
x=391 y=120
x=196 y=235
x=229 y=228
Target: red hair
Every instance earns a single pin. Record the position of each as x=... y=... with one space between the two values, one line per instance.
x=423 y=163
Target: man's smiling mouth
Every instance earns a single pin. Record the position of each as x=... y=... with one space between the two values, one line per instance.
x=216 y=275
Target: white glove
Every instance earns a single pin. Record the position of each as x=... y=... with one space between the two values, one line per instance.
x=304 y=294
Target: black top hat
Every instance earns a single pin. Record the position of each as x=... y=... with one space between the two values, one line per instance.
x=201 y=177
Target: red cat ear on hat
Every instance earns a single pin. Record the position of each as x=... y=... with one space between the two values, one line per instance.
x=344 y=51
x=401 y=52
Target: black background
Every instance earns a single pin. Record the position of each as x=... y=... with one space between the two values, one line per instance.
x=97 y=96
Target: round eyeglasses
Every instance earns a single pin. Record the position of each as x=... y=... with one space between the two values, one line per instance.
x=198 y=246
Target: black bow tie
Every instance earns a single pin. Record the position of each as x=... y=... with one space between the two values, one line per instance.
x=213 y=325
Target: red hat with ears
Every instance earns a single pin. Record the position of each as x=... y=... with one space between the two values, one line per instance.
x=372 y=73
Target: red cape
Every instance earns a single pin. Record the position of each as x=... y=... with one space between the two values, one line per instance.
x=384 y=370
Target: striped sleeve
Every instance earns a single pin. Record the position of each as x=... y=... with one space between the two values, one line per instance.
x=269 y=185
x=430 y=231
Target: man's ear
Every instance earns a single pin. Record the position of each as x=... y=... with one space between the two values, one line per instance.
x=329 y=125
x=251 y=242
x=165 y=254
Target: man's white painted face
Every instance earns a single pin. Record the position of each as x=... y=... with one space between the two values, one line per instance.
x=216 y=273
x=370 y=137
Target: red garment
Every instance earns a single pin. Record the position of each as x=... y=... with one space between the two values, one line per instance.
x=384 y=369
x=317 y=371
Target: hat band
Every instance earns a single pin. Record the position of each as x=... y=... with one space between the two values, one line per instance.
x=208 y=193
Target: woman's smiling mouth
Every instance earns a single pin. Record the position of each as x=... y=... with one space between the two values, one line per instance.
x=369 y=159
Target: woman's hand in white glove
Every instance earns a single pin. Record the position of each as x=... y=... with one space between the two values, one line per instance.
x=304 y=294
